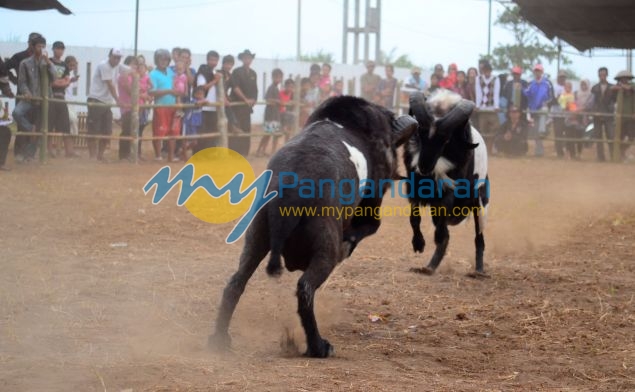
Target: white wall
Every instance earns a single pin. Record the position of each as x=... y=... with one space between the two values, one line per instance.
x=95 y=55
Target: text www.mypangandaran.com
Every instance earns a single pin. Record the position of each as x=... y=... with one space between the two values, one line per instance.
x=379 y=212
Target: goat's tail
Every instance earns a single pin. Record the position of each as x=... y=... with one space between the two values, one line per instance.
x=280 y=228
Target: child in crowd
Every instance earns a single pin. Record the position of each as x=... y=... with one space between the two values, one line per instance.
x=338 y=88
x=180 y=84
x=324 y=82
x=193 y=120
x=272 y=112
x=566 y=100
x=287 y=117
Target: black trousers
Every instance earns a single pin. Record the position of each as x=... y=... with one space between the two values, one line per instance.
x=243 y=118
x=602 y=126
x=5 y=139
x=559 y=130
x=210 y=125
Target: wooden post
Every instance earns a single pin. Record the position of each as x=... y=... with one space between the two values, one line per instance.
x=44 y=122
x=396 y=99
x=222 y=115
x=297 y=101
x=134 y=120
x=351 y=86
x=617 y=150
x=87 y=78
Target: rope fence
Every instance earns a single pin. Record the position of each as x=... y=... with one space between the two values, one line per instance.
x=224 y=133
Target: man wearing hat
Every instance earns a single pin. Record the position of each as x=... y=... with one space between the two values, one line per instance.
x=416 y=81
x=102 y=91
x=369 y=82
x=625 y=90
x=603 y=101
x=539 y=93
x=513 y=90
x=59 y=119
x=244 y=90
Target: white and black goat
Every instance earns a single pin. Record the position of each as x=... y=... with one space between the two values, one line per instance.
x=447 y=153
x=347 y=138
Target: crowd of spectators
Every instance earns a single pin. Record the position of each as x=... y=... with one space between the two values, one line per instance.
x=510 y=111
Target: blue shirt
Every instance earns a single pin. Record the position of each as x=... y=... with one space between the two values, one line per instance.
x=538 y=94
x=163 y=81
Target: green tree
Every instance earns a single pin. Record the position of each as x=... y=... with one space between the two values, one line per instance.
x=318 y=57
x=402 y=61
x=527 y=49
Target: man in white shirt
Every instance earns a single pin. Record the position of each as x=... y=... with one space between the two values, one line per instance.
x=487 y=101
x=103 y=90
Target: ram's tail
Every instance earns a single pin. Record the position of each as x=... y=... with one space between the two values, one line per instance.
x=280 y=228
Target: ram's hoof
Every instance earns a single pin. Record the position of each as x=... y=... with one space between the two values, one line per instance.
x=423 y=271
x=478 y=275
x=219 y=342
x=323 y=350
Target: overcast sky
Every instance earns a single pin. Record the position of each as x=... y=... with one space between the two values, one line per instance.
x=429 y=31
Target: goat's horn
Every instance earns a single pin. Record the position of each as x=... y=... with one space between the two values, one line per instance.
x=419 y=109
x=402 y=128
x=458 y=116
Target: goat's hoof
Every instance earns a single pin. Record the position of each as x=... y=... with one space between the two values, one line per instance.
x=219 y=342
x=418 y=245
x=423 y=271
x=478 y=275
x=274 y=271
x=323 y=350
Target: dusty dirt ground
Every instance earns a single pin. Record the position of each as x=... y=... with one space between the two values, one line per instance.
x=76 y=313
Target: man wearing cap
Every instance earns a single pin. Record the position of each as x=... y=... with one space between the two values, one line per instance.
x=369 y=82
x=513 y=90
x=539 y=93
x=603 y=101
x=59 y=119
x=102 y=91
x=416 y=81
x=625 y=93
x=244 y=90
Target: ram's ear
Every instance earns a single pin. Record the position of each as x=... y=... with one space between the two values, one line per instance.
x=402 y=128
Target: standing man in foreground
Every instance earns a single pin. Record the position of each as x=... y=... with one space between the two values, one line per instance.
x=26 y=112
x=244 y=90
x=102 y=91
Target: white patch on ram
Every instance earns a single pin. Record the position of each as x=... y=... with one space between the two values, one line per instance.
x=441 y=169
x=441 y=101
x=359 y=161
x=480 y=156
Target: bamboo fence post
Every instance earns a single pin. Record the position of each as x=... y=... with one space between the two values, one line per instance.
x=134 y=120
x=296 y=105
x=44 y=122
x=397 y=98
x=222 y=115
x=618 y=126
